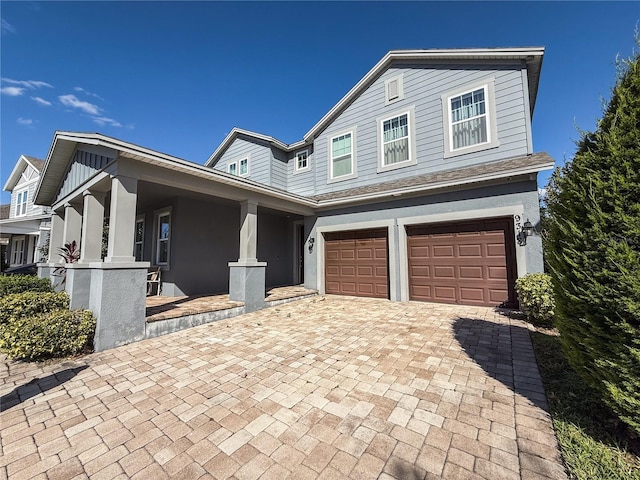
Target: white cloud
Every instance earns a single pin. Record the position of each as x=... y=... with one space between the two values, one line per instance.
x=30 y=84
x=7 y=27
x=86 y=92
x=25 y=121
x=102 y=121
x=12 y=91
x=41 y=101
x=71 y=100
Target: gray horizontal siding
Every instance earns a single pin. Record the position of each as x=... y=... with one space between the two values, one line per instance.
x=302 y=183
x=278 y=168
x=259 y=161
x=32 y=209
x=423 y=87
x=84 y=166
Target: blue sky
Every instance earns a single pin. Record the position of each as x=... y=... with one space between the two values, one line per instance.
x=176 y=77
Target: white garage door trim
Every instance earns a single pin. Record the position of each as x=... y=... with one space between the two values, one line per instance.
x=521 y=261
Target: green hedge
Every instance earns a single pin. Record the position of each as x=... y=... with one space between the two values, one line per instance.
x=25 y=304
x=23 y=283
x=53 y=334
x=535 y=292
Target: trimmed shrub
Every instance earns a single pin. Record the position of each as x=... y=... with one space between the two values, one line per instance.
x=28 y=304
x=594 y=250
x=54 y=334
x=535 y=292
x=23 y=283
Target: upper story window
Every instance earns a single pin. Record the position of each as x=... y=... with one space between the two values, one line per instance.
x=302 y=161
x=239 y=167
x=470 y=120
x=163 y=237
x=342 y=156
x=395 y=141
x=21 y=203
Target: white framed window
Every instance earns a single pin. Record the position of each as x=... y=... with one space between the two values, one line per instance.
x=393 y=90
x=342 y=155
x=21 y=203
x=232 y=168
x=470 y=119
x=138 y=245
x=163 y=236
x=17 y=251
x=396 y=141
x=243 y=169
x=302 y=161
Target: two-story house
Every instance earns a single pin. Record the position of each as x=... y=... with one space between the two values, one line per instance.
x=416 y=185
x=26 y=228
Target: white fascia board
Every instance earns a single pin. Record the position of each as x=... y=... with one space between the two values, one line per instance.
x=445 y=54
x=434 y=186
x=16 y=172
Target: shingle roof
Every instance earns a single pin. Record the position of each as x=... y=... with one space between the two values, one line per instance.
x=36 y=162
x=4 y=211
x=459 y=174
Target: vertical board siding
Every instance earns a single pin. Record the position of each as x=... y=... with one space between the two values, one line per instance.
x=84 y=166
x=259 y=161
x=423 y=88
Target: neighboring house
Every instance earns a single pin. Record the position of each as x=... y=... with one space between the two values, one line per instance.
x=26 y=227
x=414 y=186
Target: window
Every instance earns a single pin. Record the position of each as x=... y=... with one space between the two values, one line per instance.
x=470 y=123
x=393 y=89
x=139 y=239
x=244 y=167
x=302 y=161
x=163 y=236
x=395 y=141
x=341 y=157
x=21 y=203
x=232 y=168
x=17 y=251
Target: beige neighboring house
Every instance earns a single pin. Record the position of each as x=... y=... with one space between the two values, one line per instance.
x=26 y=227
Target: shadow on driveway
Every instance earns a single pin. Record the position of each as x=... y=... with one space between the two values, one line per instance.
x=505 y=352
x=37 y=386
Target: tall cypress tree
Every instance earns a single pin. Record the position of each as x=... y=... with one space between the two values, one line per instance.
x=593 y=250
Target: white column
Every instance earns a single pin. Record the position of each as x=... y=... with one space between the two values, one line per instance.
x=93 y=219
x=72 y=224
x=122 y=219
x=56 y=237
x=248 y=232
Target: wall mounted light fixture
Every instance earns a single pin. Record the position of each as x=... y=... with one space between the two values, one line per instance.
x=312 y=240
x=523 y=230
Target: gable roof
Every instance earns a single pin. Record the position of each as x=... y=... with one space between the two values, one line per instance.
x=23 y=162
x=532 y=56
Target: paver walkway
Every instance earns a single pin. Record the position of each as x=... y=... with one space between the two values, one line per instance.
x=327 y=387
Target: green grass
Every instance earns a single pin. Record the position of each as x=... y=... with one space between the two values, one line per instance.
x=594 y=444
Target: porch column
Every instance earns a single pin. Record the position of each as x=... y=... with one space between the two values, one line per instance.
x=247 y=275
x=72 y=224
x=56 y=239
x=122 y=219
x=93 y=219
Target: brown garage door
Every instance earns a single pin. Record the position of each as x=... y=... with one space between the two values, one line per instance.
x=471 y=263
x=356 y=263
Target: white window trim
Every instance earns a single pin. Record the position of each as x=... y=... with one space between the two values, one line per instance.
x=229 y=168
x=140 y=218
x=400 y=80
x=156 y=254
x=296 y=169
x=354 y=163
x=26 y=204
x=248 y=167
x=14 y=241
x=492 y=130
x=236 y=162
x=413 y=158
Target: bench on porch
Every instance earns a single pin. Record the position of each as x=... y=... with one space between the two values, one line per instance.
x=154 y=276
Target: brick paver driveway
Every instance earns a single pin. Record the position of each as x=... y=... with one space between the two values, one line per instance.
x=327 y=387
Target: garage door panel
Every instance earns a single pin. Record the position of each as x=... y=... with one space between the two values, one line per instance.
x=469 y=263
x=362 y=259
